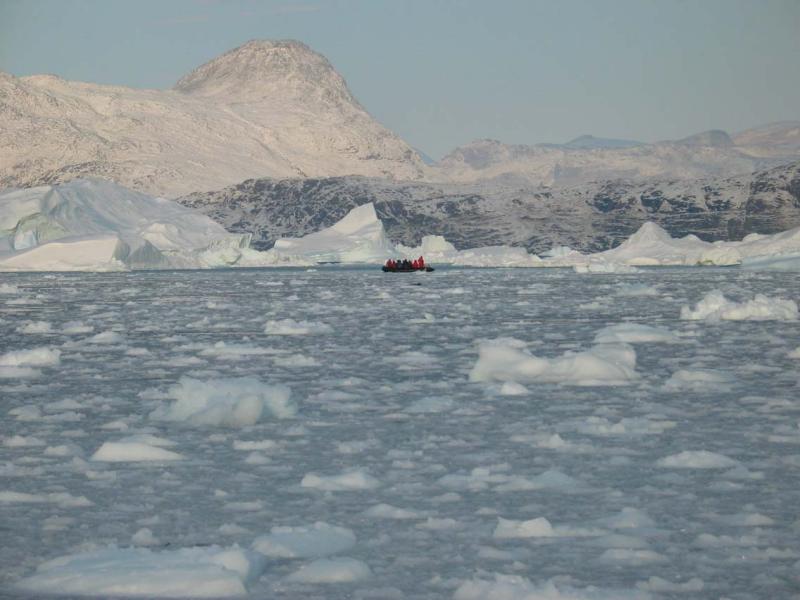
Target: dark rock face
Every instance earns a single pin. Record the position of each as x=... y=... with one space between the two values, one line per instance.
x=590 y=217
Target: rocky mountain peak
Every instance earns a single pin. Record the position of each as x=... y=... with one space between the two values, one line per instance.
x=260 y=69
x=713 y=137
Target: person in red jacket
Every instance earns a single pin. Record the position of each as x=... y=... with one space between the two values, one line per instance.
x=421 y=262
x=414 y=264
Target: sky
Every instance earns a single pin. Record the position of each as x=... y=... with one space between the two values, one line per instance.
x=442 y=73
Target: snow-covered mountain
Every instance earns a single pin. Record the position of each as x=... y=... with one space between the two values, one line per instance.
x=279 y=109
x=267 y=108
x=586 y=159
x=589 y=217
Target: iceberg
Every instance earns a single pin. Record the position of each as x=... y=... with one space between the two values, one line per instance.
x=94 y=225
x=436 y=249
x=358 y=238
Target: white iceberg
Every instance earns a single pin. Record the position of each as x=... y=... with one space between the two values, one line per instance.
x=437 y=250
x=358 y=238
x=94 y=225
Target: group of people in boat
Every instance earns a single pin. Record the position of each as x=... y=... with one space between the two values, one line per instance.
x=404 y=264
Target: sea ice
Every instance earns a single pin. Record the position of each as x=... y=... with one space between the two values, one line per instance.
x=507 y=359
x=353 y=479
x=292 y=327
x=715 y=307
x=209 y=572
x=231 y=402
x=697 y=459
x=319 y=539
x=331 y=570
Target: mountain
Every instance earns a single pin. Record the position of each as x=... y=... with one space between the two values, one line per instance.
x=713 y=138
x=589 y=142
x=267 y=108
x=774 y=139
x=590 y=217
x=586 y=159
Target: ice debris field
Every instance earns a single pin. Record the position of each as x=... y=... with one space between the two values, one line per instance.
x=342 y=433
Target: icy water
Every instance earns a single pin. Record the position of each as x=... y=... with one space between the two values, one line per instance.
x=677 y=487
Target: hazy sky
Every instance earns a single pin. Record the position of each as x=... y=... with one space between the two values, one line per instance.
x=442 y=73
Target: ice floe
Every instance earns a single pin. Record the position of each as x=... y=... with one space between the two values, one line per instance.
x=207 y=572
x=716 y=307
x=313 y=541
x=507 y=359
x=697 y=459
x=351 y=480
x=331 y=570
x=230 y=402
x=515 y=587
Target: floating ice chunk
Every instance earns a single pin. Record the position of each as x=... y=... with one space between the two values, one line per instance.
x=387 y=511
x=795 y=353
x=697 y=459
x=106 y=337
x=319 y=539
x=234 y=402
x=225 y=351
x=8 y=288
x=715 y=307
x=600 y=426
x=144 y=537
x=481 y=478
x=21 y=441
x=292 y=327
x=632 y=556
x=254 y=445
x=331 y=570
x=512 y=388
x=76 y=328
x=633 y=333
x=636 y=289
x=657 y=584
x=629 y=518
x=210 y=572
x=697 y=379
x=22 y=363
x=539 y=527
x=36 y=357
x=61 y=499
x=35 y=327
x=355 y=479
x=296 y=361
x=504 y=360
x=150 y=440
x=133 y=452
x=514 y=587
